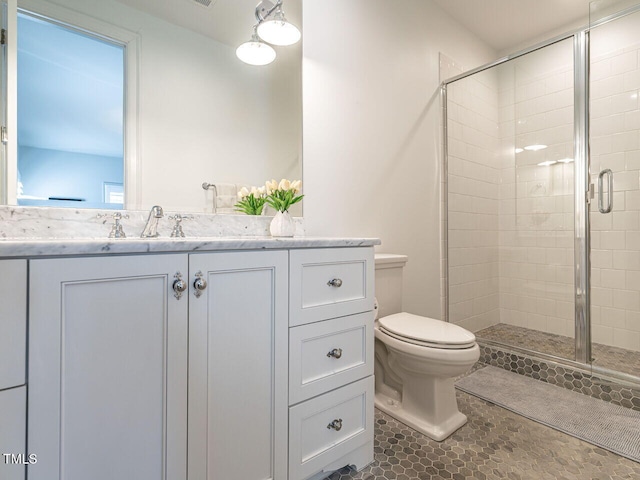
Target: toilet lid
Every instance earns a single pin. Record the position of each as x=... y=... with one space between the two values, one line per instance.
x=426 y=331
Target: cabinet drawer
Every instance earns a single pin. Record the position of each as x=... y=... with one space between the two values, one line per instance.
x=326 y=355
x=13 y=322
x=330 y=282
x=313 y=444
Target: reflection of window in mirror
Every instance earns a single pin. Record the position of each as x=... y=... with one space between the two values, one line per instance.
x=113 y=193
x=70 y=116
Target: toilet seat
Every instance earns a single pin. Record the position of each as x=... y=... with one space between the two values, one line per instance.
x=426 y=332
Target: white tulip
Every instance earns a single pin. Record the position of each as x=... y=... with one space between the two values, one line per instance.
x=296 y=186
x=243 y=193
x=262 y=191
x=254 y=192
x=271 y=186
x=284 y=184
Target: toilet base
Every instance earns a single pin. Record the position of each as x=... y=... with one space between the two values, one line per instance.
x=394 y=408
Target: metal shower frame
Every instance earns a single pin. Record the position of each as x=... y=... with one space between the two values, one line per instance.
x=582 y=196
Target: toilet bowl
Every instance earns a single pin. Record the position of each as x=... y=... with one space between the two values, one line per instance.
x=416 y=361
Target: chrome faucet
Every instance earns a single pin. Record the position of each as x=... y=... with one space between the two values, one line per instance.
x=151 y=228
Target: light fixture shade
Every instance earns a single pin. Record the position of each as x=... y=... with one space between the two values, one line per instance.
x=279 y=32
x=255 y=52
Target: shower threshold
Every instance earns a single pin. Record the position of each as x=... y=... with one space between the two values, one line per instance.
x=606 y=357
x=605 y=384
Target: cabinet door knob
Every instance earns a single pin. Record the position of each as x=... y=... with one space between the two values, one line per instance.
x=199 y=284
x=335 y=353
x=335 y=425
x=179 y=285
x=336 y=282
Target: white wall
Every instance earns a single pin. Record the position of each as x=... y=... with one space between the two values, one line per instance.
x=372 y=138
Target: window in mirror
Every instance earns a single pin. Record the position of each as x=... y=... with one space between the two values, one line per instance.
x=113 y=193
x=70 y=116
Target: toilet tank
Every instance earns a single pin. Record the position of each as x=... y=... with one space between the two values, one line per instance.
x=389 y=282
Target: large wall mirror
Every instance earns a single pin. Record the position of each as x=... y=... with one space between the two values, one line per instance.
x=162 y=104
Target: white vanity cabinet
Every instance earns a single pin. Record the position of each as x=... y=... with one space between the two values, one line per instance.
x=238 y=366
x=13 y=339
x=107 y=368
x=13 y=322
x=13 y=458
x=331 y=348
x=234 y=365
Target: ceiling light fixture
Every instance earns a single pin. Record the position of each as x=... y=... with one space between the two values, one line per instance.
x=256 y=52
x=547 y=163
x=565 y=160
x=272 y=27
x=519 y=150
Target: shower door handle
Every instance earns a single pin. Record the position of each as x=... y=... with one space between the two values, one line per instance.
x=601 y=175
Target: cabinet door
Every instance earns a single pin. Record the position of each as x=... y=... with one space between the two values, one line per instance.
x=13 y=322
x=13 y=422
x=238 y=367
x=107 y=369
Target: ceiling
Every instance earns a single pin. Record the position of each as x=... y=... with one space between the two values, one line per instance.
x=509 y=25
x=504 y=25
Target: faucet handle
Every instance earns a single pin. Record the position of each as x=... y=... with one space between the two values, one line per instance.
x=177 y=231
x=116 y=229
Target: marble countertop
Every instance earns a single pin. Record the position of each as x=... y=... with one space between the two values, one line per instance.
x=39 y=232
x=25 y=247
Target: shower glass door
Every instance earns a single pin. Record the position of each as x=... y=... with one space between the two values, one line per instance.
x=615 y=173
x=510 y=201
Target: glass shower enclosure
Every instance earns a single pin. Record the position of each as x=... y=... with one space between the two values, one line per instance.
x=542 y=162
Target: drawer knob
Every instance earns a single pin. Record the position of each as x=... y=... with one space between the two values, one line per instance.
x=335 y=425
x=335 y=353
x=336 y=282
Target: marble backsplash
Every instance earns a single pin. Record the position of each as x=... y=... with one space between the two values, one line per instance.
x=68 y=223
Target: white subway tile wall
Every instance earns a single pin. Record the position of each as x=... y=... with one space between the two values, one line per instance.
x=448 y=69
x=510 y=212
x=473 y=200
x=615 y=238
x=510 y=218
x=536 y=201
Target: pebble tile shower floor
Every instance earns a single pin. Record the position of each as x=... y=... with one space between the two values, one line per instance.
x=495 y=443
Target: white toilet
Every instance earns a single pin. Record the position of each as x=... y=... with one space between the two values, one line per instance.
x=417 y=359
